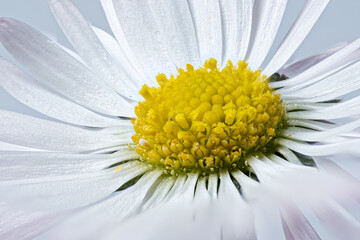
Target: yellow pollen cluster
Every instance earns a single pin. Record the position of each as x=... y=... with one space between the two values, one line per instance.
x=206 y=119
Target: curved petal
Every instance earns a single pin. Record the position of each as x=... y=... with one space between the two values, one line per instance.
x=144 y=37
x=207 y=23
x=59 y=193
x=51 y=64
x=300 y=29
x=109 y=213
x=327 y=66
x=177 y=29
x=89 y=47
x=114 y=49
x=38 y=133
x=20 y=224
x=295 y=68
x=35 y=95
x=116 y=28
x=264 y=28
x=26 y=165
x=236 y=27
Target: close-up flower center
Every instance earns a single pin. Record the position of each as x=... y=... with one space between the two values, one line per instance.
x=207 y=119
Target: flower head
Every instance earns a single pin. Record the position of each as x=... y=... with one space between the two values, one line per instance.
x=175 y=129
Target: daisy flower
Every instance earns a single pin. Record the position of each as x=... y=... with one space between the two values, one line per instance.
x=176 y=129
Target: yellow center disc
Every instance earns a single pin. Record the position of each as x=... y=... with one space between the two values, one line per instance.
x=207 y=119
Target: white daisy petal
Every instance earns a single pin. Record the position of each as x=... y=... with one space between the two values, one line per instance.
x=25 y=165
x=174 y=220
x=38 y=133
x=323 y=150
x=61 y=71
x=186 y=194
x=341 y=65
x=177 y=29
x=264 y=28
x=207 y=23
x=344 y=165
x=268 y=223
x=20 y=224
x=159 y=194
x=312 y=136
x=37 y=96
x=289 y=155
x=236 y=215
x=71 y=191
x=114 y=49
x=213 y=185
x=109 y=213
x=176 y=188
x=13 y=147
x=340 y=110
x=236 y=28
x=325 y=67
x=116 y=28
x=298 y=226
x=89 y=47
x=331 y=87
x=336 y=219
x=302 y=26
x=293 y=69
x=144 y=37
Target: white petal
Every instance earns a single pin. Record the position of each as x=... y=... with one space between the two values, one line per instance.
x=159 y=194
x=331 y=87
x=144 y=37
x=236 y=215
x=298 y=225
x=267 y=15
x=20 y=224
x=51 y=64
x=289 y=155
x=346 y=166
x=177 y=30
x=97 y=220
x=213 y=185
x=335 y=111
x=268 y=223
x=89 y=47
x=114 y=49
x=249 y=187
x=310 y=135
x=342 y=64
x=325 y=67
x=349 y=147
x=176 y=188
x=298 y=67
x=37 y=96
x=69 y=191
x=25 y=165
x=337 y=219
x=38 y=133
x=12 y=147
x=116 y=28
x=183 y=190
x=236 y=28
x=302 y=26
x=207 y=23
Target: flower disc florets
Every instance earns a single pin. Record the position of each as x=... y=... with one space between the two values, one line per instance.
x=207 y=119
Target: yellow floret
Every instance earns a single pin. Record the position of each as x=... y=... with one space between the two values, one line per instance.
x=206 y=118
